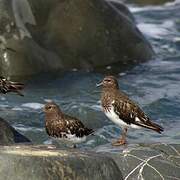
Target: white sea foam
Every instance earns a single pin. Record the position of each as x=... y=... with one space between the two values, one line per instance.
x=122 y=74
x=47 y=142
x=3 y=106
x=96 y=107
x=174 y=3
x=33 y=105
x=3 y=98
x=157 y=30
x=17 y=109
x=26 y=128
x=90 y=142
x=135 y=9
x=176 y=39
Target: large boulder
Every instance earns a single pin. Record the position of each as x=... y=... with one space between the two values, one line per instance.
x=50 y=35
x=41 y=163
x=8 y=135
x=153 y=161
x=123 y=9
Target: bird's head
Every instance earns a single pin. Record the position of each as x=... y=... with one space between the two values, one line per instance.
x=109 y=82
x=51 y=108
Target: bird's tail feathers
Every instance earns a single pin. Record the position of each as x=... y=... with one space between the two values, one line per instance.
x=16 y=87
x=157 y=127
x=151 y=125
x=89 y=131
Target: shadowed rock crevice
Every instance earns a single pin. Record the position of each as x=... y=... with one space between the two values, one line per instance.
x=8 y=135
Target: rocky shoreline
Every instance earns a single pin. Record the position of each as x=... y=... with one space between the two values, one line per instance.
x=158 y=161
x=22 y=160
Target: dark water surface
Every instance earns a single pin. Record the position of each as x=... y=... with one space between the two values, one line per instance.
x=155 y=85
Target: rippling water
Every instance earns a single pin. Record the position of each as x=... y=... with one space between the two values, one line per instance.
x=155 y=85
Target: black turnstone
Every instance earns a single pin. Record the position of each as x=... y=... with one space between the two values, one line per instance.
x=10 y=86
x=123 y=111
x=63 y=126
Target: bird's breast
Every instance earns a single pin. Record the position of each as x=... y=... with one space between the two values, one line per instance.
x=111 y=114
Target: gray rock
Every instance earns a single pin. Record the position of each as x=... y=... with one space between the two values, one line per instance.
x=156 y=161
x=8 y=135
x=123 y=9
x=43 y=36
x=41 y=163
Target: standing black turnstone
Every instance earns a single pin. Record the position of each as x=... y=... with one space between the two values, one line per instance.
x=10 y=86
x=63 y=126
x=123 y=111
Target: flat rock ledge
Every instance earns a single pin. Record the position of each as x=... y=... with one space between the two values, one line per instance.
x=146 y=161
x=26 y=162
x=40 y=162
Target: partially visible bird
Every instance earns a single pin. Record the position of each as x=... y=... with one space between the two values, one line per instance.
x=123 y=111
x=63 y=126
x=7 y=86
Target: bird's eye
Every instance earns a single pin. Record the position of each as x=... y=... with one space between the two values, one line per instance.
x=108 y=80
x=49 y=107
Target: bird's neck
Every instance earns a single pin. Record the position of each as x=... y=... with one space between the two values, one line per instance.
x=53 y=116
x=109 y=90
x=107 y=96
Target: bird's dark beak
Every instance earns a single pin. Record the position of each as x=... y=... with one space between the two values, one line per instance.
x=99 y=84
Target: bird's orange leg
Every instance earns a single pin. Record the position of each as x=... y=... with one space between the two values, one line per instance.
x=122 y=139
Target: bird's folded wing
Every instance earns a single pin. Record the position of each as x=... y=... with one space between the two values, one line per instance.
x=10 y=86
x=130 y=112
x=77 y=127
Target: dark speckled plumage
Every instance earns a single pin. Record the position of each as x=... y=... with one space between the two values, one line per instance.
x=122 y=110
x=60 y=125
x=7 y=86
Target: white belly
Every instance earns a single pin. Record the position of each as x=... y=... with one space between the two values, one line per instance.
x=72 y=139
x=115 y=119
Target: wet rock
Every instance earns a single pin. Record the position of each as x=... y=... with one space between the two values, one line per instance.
x=93 y=34
x=25 y=57
x=8 y=135
x=158 y=161
x=123 y=9
x=40 y=163
x=43 y=36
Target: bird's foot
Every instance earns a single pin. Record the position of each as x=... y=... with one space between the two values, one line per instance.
x=73 y=146
x=119 y=142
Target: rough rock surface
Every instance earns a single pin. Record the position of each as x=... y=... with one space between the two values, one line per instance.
x=8 y=135
x=41 y=163
x=42 y=36
x=156 y=161
x=123 y=9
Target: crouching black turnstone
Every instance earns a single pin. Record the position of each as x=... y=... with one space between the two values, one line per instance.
x=63 y=126
x=10 y=86
x=123 y=111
